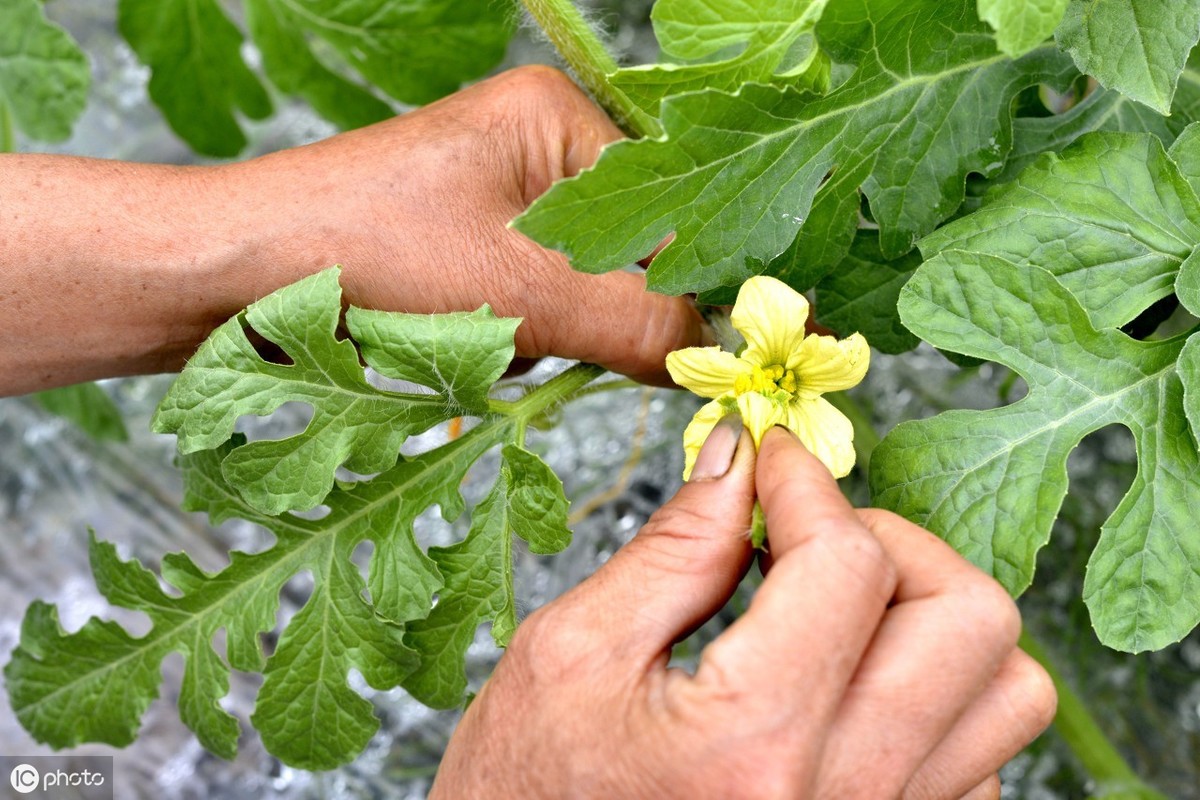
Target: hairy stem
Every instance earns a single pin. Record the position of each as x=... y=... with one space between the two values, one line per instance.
x=556 y=391
x=591 y=62
x=1114 y=778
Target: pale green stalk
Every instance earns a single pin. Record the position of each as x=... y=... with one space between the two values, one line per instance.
x=1115 y=779
x=591 y=62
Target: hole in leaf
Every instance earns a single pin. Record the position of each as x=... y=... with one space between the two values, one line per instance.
x=289 y=419
x=361 y=558
x=1145 y=324
x=1099 y=473
x=292 y=597
x=220 y=643
x=318 y=512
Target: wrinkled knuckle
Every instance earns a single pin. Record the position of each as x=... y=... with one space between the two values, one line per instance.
x=862 y=555
x=664 y=325
x=676 y=520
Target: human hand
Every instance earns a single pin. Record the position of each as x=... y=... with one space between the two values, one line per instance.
x=117 y=268
x=416 y=210
x=874 y=662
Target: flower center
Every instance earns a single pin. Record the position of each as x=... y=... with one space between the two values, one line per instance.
x=767 y=381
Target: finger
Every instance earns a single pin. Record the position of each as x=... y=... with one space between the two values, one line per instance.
x=682 y=566
x=1015 y=708
x=809 y=624
x=938 y=647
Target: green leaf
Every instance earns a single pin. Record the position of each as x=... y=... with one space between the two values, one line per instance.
x=415 y=51
x=459 y=354
x=293 y=66
x=536 y=502
x=86 y=405
x=775 y=41
x=1111 y=217
x=1185 y=152
x=197 y=75
x=95 y=684
x=1137 y=47
x=527 y=500
x=1021 y=25
x=991 y=482
x=1102 y=110
x=738 y=176
x=44 y=76
x=354 y=424
x=860 y=295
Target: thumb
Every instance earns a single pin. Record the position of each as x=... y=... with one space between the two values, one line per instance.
x=613 y=321
x=686 y=561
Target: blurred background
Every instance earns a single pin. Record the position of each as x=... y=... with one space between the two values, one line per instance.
x=619 y=454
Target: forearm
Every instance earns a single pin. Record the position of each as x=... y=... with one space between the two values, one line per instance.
x=112 y=268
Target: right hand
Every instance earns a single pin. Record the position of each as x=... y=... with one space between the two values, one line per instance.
x=874 y=661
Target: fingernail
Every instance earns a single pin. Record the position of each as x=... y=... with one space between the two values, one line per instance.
x=717 y=453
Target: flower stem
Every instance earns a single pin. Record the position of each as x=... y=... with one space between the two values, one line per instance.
x=1114 y=778
x=587 y=56
x=556 y=391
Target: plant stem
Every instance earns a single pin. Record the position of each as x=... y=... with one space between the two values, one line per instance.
x=553 y=392
x=1114 y=778
x=587 y=56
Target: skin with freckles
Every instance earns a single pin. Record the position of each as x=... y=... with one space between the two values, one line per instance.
x=114 y=268
x=874 y=662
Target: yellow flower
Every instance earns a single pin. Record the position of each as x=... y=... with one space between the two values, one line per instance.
x=778 y=379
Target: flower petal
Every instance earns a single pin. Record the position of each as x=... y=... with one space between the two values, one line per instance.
x=697 y=432
x=771 y=315
x=759 y=414
x=707 y=371
x=824 y=364
x=825 y=431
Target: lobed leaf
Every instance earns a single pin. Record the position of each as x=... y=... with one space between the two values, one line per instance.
x=400 y=48
x=1111 y=217
x=44 y=76
x=95 y=684
x=354 y=424
x=1137 y=47
x=738 y=176
x=527 y=500
x=197 y=75
x=202 y=84
x=293 y=66
x=991 y=482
